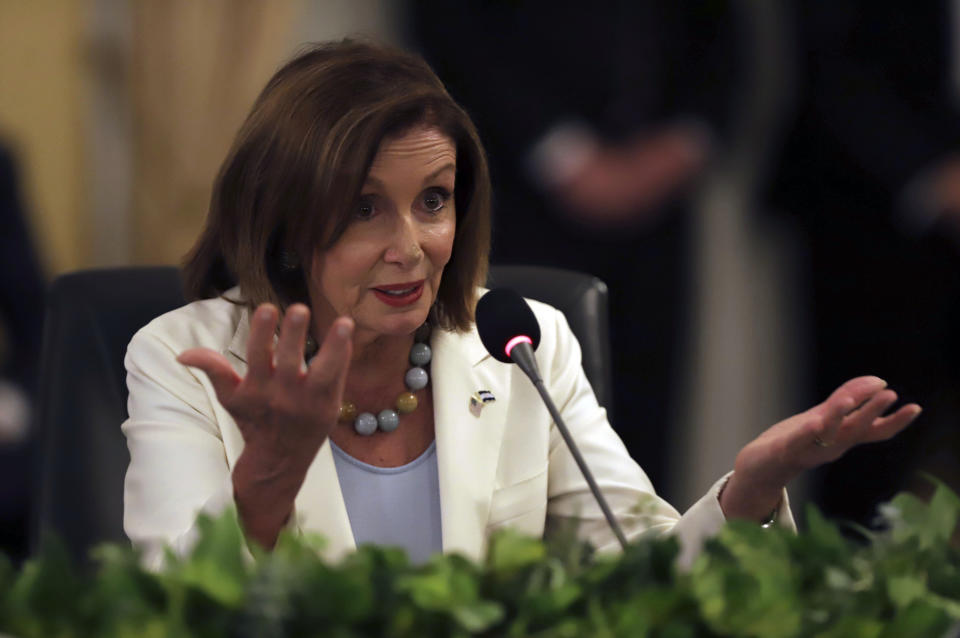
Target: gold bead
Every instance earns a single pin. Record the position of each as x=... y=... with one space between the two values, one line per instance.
x=348 y=412
x=406 y=402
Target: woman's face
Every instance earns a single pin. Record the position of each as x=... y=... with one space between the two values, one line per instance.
x=385 y=270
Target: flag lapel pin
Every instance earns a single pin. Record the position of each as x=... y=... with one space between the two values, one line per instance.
x=479 y=399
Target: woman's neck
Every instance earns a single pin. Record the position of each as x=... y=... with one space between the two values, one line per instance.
x=374 y=355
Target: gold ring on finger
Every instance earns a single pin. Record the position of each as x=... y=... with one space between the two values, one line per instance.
x=820 y=442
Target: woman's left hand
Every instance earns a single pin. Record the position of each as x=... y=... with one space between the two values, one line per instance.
x=853 y=414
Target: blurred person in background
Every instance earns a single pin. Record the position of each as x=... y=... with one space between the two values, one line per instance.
x=598 y=122
x=21 y=323
x=871 y=170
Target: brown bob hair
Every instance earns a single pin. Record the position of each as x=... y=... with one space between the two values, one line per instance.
x=292 y=179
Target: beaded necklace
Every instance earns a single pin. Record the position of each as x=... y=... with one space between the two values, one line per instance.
x=415 y=379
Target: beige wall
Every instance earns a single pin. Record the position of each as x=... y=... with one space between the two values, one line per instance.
x=196 y=70
x=121 y=110
x=42 y=108
x=197 y=67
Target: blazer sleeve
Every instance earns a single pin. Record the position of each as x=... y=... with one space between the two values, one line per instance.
x=629 y=492
x=178 y=465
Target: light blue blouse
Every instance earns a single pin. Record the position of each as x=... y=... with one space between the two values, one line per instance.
x=398 y=506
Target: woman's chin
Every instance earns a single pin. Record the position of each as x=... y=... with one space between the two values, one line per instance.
x=400 y=324
x=384 y=320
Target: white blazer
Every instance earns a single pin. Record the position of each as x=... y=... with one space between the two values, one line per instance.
x=506 y=467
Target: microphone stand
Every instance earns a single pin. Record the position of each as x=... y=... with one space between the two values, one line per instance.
x=522 y=355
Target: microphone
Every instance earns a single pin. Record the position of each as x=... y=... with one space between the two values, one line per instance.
x=510 y=333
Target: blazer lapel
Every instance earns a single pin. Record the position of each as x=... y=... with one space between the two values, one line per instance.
x=320 y=506
x=468 y=445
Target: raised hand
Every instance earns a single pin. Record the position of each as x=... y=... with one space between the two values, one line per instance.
x=284 y=409
x=852 y=415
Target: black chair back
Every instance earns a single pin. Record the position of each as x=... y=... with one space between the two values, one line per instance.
x=91 y=317
x=583 y=299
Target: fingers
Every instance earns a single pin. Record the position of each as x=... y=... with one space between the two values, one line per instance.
x=222 y=375
x=328 y=369
x=845 y=399
x=263 y=325
x=853 y=414
x=858 y=421
x=811 y=428
x=886 y=427
x=854 y=392
x=293 y=337
x=829 y=416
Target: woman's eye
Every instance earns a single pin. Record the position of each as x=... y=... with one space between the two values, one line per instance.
x=435 y=199
x=365 y=209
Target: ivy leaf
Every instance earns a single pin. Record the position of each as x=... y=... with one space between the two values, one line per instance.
x=748 y=583
x=823 y=533
x=217 y=565
x=450 y=585
x=929 y=524
x=126 y=595
x=478 y=616
x=918 y=619
x=511 y=551
x=48 y=597
x=857 y=627
x=7 y=578
x=748 y=589
x=904 y=590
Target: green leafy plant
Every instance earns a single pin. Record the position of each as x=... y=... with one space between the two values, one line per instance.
x=749 y=582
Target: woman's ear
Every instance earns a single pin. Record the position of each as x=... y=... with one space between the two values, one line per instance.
x=288 y=261
x=286 y=272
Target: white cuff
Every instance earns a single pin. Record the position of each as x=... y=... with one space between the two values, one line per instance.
x=705 y=519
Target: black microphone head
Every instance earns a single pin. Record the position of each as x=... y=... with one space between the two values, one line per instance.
x=502 y=316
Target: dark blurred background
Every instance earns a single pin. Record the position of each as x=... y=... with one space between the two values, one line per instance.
x=770 y=190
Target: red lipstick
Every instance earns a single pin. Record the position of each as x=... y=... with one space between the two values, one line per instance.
x=398 y=295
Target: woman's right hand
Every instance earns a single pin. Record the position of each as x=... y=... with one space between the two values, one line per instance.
x=284 y=410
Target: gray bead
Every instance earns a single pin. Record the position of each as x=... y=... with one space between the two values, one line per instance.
x=388 y=420
x=420 y=354
x=416 y=379
x=366 y=424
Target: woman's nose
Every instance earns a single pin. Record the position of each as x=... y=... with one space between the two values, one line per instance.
x=404 y=248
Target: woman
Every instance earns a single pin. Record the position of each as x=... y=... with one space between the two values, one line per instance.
x=353 y=212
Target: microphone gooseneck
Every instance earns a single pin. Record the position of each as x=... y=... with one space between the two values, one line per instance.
x=510 y=333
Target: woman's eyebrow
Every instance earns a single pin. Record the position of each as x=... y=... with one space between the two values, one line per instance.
x=443 y=169
x=374 y=182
